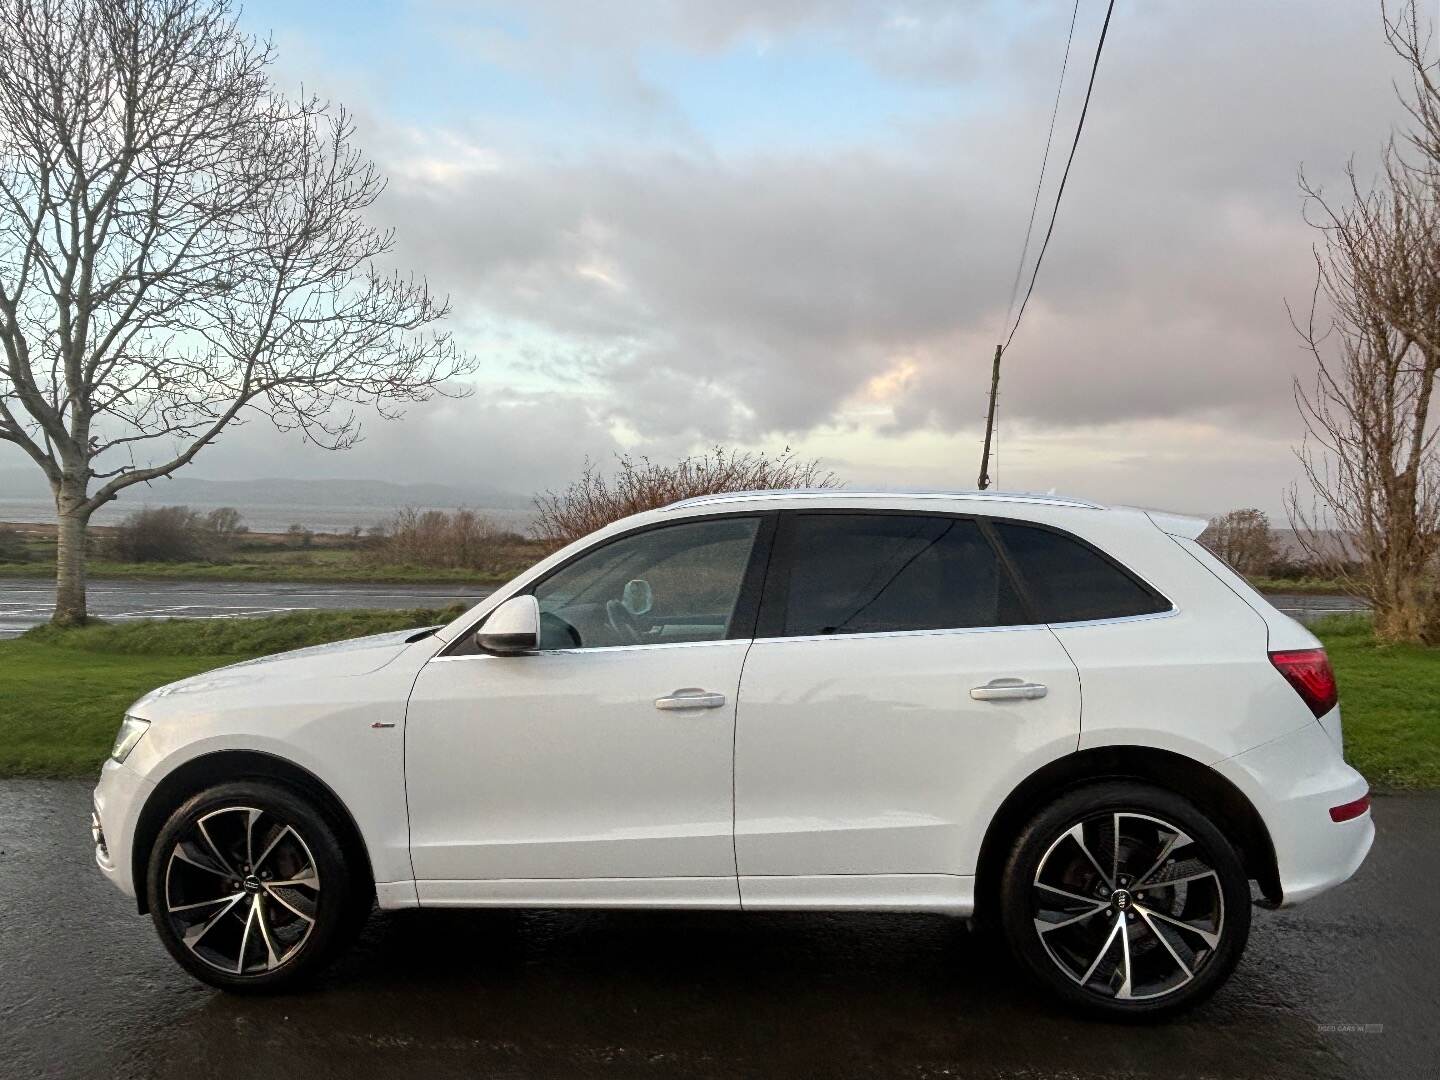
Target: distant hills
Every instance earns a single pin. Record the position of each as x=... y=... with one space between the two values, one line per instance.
x=28 y=485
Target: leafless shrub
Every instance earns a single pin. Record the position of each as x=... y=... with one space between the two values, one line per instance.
x=462 y=539
x=638 y=484
x=13 y=548
x=1243 y=539
x=175 y=534
x=224 y=528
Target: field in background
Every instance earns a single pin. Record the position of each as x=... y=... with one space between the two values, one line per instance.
x=303 y=557
x=341 y=558
x=62 y=692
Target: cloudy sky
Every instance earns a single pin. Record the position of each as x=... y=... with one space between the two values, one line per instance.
x=669 y=223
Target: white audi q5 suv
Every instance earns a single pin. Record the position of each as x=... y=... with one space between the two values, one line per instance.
x=1067 y=720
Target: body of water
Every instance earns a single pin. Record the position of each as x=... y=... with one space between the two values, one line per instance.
x=264 y=518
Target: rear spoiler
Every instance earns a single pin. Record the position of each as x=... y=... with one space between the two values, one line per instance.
x=1178 y=524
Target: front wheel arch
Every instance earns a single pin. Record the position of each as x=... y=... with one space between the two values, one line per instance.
x=1211 y=793
x=223 y=766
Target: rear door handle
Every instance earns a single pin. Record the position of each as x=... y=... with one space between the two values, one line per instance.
x=1009 y=690
x=691 y=697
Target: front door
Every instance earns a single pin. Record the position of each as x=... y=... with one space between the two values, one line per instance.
x=894 y=694
x=601 y=767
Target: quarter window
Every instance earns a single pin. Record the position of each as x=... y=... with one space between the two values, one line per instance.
x=1071 y=582
x=867 y=573
x=661 y=586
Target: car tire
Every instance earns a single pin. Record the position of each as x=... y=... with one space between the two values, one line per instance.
x=250 y=889
x=1136 y=930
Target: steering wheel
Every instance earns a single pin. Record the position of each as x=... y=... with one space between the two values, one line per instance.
x=623 y=622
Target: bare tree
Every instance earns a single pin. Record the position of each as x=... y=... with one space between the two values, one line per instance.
x=182 y=248
x=1243 y=539
x=1374 y=332
x=641 y=484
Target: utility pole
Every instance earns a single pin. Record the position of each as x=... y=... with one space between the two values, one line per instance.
x=984 y=481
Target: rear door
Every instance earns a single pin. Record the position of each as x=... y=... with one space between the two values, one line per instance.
x=895 y=692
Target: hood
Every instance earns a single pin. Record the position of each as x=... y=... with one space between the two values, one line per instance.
x=357 y=656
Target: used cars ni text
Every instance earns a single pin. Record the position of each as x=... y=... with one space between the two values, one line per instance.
x=1068 y=721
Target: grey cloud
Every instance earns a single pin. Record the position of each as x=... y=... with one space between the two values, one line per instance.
x=714 y=296
x=763 y=292
x=509 y=442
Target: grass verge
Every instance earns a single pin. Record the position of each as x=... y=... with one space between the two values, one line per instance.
x=1309 y=586
x=62 y=692
x=1390 y=702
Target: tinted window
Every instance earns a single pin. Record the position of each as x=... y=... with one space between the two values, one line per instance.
x=678 y=583
x=862 y=573
x=1070 y=582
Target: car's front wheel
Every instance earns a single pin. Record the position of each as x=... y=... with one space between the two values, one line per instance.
x=1126 y=900
x=249 y=887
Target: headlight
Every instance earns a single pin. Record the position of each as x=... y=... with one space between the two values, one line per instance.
x=131 y=728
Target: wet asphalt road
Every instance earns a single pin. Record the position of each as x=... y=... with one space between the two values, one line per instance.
x=27 y=603
x=87 y=991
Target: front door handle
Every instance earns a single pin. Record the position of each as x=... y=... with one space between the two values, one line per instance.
x=690 y=697
x=1009 y=690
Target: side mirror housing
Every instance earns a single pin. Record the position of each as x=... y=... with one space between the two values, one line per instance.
x=512 y=629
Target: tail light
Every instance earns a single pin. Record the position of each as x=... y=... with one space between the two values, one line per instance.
x=1350 y=810
x=1308 y=671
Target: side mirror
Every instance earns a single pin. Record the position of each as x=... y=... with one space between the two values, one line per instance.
x=512 y=629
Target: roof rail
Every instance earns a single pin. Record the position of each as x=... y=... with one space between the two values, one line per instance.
x=846 y=493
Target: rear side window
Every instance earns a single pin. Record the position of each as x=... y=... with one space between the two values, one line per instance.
x=1070 y=582
x=869 y=573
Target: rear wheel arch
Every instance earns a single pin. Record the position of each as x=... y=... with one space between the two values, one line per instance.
x=227 y=765
x=1212 y=793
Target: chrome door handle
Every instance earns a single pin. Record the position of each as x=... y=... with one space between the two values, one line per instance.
x=691 y=697
x=1009 y=690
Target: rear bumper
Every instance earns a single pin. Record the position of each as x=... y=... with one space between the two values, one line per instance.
x=118 y=799
x=1293 y=782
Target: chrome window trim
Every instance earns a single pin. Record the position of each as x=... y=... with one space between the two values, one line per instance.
x=868 y=635
x=594 y=649
x=953 y=630
x=1119 y=619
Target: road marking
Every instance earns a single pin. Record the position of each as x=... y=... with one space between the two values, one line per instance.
x=186 y=611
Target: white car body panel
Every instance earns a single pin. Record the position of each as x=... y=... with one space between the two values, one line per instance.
x=1293 y=781
x=315 y=708
x=840 y=772
x=863 y=774
x=560 y=766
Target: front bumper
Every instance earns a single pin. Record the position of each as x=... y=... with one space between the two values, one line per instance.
x=119 y=797
x=1293 y=781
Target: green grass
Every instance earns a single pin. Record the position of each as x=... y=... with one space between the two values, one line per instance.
x=62 y=692
x=1390 y=703
x=233 y=637
x=1312 y=586
x=59 y=708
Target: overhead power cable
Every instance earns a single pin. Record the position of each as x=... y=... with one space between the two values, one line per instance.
x=984 y=479
x=1044 y=162
x=1064 y=176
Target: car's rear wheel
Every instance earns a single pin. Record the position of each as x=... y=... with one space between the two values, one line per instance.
x=249 y=887
x=1126 y=900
